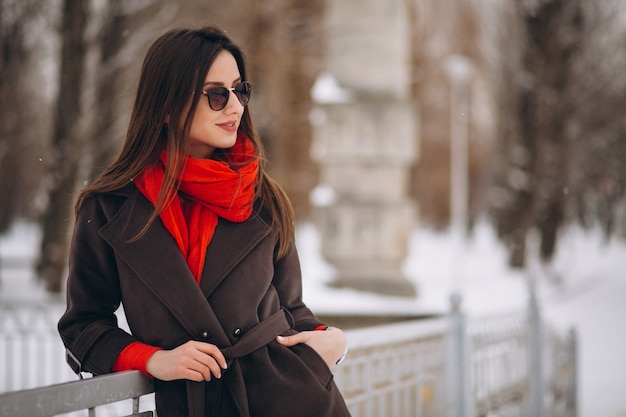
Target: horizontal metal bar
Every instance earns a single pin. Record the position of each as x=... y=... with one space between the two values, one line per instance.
x=73 y=396
x=395 y=333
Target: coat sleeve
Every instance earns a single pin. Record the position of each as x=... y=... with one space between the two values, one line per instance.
x=288 y=284
x=89 y=328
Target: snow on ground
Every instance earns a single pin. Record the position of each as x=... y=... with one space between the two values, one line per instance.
x=584 y=287
x=431 y=267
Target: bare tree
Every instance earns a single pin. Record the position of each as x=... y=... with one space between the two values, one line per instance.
x=121 y=31
x=66 y=147
x=560 y=123
x=109 y=42
x=22 y=108
x=536 y=101
x=598 y=123
x=555 y=30
x=85 y=140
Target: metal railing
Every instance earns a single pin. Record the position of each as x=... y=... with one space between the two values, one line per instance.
x=505 y=370
x=499 y=363
x=32 y=356
x=395 y=370
x=31 y=352
x=80 y=395
x=409 y=369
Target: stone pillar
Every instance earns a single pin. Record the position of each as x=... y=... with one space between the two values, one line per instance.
x=364 y=141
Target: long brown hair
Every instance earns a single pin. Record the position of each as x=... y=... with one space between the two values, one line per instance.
x=175 y=65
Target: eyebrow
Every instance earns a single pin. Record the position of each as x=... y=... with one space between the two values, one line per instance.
x=208 y=83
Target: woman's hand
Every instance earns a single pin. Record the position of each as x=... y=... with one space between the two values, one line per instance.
x=329 y=344
x=196 y=361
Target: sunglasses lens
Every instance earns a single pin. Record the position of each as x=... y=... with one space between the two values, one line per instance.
x=242 y=91
x=218 y=97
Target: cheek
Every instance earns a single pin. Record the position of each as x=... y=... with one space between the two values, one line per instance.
x=198 y=120
x=201 y=122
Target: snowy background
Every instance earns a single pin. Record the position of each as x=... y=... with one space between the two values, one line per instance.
x=585 y=287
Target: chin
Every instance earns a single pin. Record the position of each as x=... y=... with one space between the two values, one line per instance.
x=229 y=143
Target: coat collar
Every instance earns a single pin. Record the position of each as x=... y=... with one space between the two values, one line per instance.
x=157 y=261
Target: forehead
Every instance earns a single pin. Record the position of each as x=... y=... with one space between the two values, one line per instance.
x=223 y=70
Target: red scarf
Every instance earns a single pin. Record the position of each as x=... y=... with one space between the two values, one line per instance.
x=213 y=189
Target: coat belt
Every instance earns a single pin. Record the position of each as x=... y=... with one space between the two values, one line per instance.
x=261 y=334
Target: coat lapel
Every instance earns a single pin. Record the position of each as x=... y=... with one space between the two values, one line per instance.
x=228 y=248
x=157 y=261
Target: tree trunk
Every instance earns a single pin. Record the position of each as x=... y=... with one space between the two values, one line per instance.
x=65 y=151
x=537 y=177
x=108 y=75
x=19 y=119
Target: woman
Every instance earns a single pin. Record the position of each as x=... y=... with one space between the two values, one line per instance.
x=188 y=231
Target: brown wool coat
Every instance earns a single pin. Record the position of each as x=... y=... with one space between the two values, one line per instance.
x=242 y=284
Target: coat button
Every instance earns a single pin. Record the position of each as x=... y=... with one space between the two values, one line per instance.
x=237 y=332
x=204 y=334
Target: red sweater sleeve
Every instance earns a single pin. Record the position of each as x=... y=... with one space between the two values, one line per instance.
x=134 y=357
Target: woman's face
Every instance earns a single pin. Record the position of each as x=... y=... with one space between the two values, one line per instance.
x=212 y=129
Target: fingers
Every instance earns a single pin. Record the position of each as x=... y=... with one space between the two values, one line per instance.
x=205 y=359
x=295 y=339
x=214 y=352
x=196 y=361
x=330 y=344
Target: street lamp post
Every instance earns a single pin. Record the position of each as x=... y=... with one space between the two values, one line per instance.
x=459 y=71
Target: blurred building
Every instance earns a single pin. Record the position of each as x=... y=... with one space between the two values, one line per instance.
x=364 y=141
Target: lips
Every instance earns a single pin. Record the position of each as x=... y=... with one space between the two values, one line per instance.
x=230 y=126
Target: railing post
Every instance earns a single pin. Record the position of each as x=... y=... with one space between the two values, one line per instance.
x=572 y=389
x=535 y=363
x=457 y=369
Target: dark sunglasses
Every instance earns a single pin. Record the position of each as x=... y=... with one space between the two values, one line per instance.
x=218 y=96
